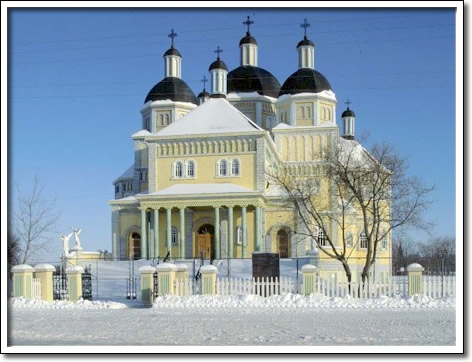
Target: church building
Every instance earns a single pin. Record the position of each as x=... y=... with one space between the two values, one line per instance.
x=199 y=185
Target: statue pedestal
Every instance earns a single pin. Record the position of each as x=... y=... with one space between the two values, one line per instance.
x=77 y=253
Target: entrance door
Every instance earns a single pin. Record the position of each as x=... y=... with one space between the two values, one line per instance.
x=205 y=242
x=282 y=237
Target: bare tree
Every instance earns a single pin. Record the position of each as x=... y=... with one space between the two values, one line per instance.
x=13 y=249
x=369 y=189
x=34 y=219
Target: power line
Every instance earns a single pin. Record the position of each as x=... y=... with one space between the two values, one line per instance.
x=230 y=38
x=164 y=94
x=195 y=80
x=268 y=47
x=164 y=33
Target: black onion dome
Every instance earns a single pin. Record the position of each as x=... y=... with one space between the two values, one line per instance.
x=218 y=64
x=203 y=94
x=305 y=41
x=248 y=78
x=172 y=51
x=305 y=80
x=348 y=113
x=248 y=39
x=171 y=88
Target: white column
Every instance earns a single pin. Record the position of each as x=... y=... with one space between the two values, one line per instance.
x=156 y=232
x=244 y=230
x=169 y=230
x=230 y=232
x=143 y=235
x=182 y=232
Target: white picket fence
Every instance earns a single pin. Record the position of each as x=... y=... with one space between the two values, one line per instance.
x=433 y=286
x=260 y=286
x=36 y=288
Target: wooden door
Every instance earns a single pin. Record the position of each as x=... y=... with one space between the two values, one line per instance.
x=282 y=237
x=204 y=244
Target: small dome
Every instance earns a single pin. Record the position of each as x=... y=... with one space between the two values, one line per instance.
x=248 y=39
x=305 y=41
x=348 y=113
x=218 y=64
x=171 y=88
x=172 y=51
x=203 y=94
x=247 y=78
x=305 y=80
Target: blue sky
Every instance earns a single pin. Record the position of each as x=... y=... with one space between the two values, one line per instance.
x=79 y=77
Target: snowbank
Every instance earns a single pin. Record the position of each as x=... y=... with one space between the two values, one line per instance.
x=24 y=303
x=297 y=301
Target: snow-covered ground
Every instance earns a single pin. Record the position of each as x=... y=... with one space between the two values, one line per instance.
x=238 y=320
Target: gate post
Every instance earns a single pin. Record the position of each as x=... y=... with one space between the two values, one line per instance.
x=415 y=279
x=22 y=280
x=44 y=273
x=74 y=281
x=308 y=272
x=165 y=278
x=208 y=279
x=147 y=284
x=181 y=272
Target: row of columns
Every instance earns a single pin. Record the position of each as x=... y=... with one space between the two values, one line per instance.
x=145 y=253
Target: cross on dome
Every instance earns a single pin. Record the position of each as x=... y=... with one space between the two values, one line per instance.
x=218 y=51
x=305 y=25
x=348 y=102
x=172 y=35
x=204 y=80
x=248 y=22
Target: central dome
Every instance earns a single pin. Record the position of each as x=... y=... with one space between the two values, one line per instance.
x=247 y=78
x=172 y=88
x=305 y=80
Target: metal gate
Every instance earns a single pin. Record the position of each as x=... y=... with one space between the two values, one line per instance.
x=87 y=283
x=59 y=284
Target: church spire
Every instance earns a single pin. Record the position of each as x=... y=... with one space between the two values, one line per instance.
x=173 y=59
x=248 y=46
x=306 y=49
x=218 y=71
x=349 y=120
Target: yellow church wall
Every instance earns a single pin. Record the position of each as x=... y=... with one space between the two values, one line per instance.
x=206 y=170
x=127 y=223
x=276 y=220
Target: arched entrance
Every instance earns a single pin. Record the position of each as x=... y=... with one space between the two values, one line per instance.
x=283 y=243
x=205 y=241
x=134 y=246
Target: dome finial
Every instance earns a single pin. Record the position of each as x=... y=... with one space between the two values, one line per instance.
x=348 y=102
x=172 y=35
x=218 y=51
x=248 y=22
x=204 y=80
x=305 y=25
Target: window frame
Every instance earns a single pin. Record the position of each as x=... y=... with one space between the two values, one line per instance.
x=363 y=235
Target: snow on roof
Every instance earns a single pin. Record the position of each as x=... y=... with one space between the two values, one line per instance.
x=246 y=95
x=188 y=189
x=44 y=267
x=216 y=115
x=352 y=152
x=22 y=268
x=142 y=133
x=129 y=173
x=326 y=93
x=283 y=126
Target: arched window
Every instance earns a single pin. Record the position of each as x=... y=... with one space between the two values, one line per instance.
x=178 y=169
x=223 y=168
x=239 y=235
x=363 y=240
x=174 y=236
x=235 y=167
x=161 y=119
x=349 y=240
x=383 y=242
x=190 y=169
x=321 y=237
x=167 y=119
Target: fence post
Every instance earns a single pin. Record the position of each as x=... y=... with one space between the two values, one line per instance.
x=44 y=273
x=181 y=278
x=415 y=279
x=74 y=280
x=22 y=280
x=165 y=278
x=208 y=279
x=147 y=284
x=308 y=272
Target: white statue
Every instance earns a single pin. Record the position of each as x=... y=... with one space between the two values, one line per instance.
x=65 y=243
x=77 y=240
